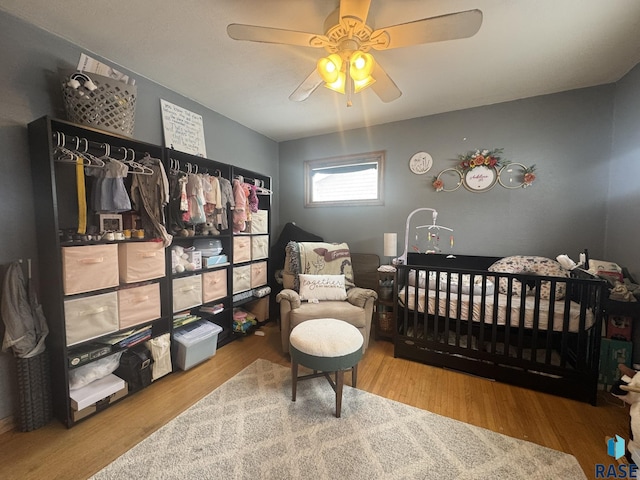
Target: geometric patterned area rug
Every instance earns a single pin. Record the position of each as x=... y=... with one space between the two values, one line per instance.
x=248 y=428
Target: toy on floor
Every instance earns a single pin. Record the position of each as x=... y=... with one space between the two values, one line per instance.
x=627 y=389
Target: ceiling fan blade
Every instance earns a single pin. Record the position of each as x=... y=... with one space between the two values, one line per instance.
x=254 y=33
x=307 y=87
x=355 y=8
x=434 y=29
x=384 y=87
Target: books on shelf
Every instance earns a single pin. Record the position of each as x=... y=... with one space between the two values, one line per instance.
x=184 y=319
x=128 y=338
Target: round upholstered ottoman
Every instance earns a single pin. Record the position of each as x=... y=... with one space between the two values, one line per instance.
x=325 y=345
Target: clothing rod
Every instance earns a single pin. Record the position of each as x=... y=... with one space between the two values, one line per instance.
x=75 y=143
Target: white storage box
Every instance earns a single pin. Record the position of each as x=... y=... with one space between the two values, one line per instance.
x=138 y=305
x=196 y=342
x=208 y=262
x=241 y=249
x=214 y=285
x=259 y=247
x=195 y=257
x=241 y=278
x=260 y=221
x=90 y=317
x=187 y=292
x=258 y=274
x=89 y=267
x=100 y=404
x=96 y=390
x=140 y=261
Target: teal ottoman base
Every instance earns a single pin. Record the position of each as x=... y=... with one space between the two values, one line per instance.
x=326 y=346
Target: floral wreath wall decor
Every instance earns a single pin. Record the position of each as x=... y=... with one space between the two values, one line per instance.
x=480 y=170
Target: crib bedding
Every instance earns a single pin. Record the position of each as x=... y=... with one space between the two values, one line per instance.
x=503 y=313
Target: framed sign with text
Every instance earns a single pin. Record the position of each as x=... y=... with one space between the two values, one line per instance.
x=183 y=130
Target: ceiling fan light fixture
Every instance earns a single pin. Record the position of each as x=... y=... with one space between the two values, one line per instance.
x=361 y=65
x=329 y=68
x=339 y=84
x=359 y=85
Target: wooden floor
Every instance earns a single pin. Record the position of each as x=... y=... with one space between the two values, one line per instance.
x=77 y=453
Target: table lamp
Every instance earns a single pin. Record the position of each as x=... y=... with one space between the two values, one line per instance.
x=391 y=246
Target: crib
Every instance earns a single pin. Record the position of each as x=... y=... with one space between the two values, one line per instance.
x=454 y=313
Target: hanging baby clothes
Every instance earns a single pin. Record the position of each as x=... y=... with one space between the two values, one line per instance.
x=195 y=196
x=213 y=199
x=227 y=201
x=148 y=195
x=253 y=198
x=184 y=199
x=176 y=222
x=240 y=209
x=109 y=193
x=247 y=204
x=82 y=197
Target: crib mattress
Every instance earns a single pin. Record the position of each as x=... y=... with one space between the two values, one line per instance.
x=502 y=312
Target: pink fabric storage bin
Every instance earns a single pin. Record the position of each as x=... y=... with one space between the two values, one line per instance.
x=259 y=247
x=258 y=274
x=140 y=261
x=138 y=305
x=241 y=249
x=89 y=267
x=260 y=221
x=90 y=317
x=214 y=285
x=187 y=292
x=241 y=278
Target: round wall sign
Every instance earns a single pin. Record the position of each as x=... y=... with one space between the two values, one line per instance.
x=420 y=163
x=480 y=178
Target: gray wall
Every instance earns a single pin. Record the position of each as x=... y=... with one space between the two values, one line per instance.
x=567 y=136
x=29 y=88
x=623 y=208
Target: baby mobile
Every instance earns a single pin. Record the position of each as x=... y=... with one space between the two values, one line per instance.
x=433 y=238
x=429 y=241
x=433 y=235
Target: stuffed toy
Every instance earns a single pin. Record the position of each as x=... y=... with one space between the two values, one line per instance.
x=180 y=260
x=209 y=229
x=627 y=389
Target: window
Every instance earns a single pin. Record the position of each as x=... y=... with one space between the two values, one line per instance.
x=345 y=181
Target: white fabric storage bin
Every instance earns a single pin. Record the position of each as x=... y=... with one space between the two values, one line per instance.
x=241 y=278
x=214 y=285
x=90 y=317
x=241 y=249
x=260 y=221
x=187 y=292
x=259 y=247
x=89 y=267
x=258 y=274
x=138 y=305
x=140 y=261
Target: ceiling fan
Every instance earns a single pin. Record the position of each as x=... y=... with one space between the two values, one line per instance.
x=349 y=67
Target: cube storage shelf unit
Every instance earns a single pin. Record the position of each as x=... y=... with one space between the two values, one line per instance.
x=56 y=206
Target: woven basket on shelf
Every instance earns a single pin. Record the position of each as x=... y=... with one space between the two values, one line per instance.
x=384 y=321
x=111 y=106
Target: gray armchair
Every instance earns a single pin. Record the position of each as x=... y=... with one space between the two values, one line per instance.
x=359 y=305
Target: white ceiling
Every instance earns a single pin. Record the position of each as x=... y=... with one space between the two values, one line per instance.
x=524 y=48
